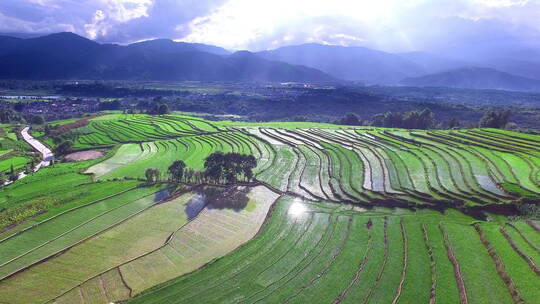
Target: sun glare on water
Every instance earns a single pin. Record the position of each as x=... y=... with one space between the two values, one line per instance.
x=297 y=208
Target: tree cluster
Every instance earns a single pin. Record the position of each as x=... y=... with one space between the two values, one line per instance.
x=63 y=147
x=495 y=119
x=8 y=115
x=152 y=175
x=409 y=120
x=159 y=109
x=176 y=171
x=229 y=167
x=350 y=119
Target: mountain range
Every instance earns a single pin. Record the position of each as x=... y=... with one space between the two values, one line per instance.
x=69 y=56
x=475 y=78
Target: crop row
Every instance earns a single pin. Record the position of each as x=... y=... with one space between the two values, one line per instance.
x=126 y=257
x=141 y=128
x=408 y=167
x=306 y=258
x=55 y=235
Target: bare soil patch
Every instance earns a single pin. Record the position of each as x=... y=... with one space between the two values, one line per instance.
x=84 y=155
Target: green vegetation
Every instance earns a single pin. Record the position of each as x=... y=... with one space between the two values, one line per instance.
x=348 y=256
x=331 y=214
x=14 y=153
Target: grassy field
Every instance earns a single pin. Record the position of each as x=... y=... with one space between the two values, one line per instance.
x=335 y=215
x=13 y=152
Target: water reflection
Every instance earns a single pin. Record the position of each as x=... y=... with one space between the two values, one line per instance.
x=234 y=198
x=297 y=209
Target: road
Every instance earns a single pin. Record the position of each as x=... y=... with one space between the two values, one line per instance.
x=46 y=154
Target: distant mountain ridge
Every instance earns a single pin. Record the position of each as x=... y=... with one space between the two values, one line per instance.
x=414 y=68
x=69 y=56
x=351 y=63
x=475 y=78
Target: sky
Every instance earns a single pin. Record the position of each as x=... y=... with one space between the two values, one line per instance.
x=389 y=25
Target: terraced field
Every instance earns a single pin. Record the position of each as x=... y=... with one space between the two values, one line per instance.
x=328 y=253
x=333 y=215
x=13 y=152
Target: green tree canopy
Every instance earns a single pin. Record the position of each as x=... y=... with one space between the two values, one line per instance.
x=228 y=168
x=495 y=119
x=176 y=171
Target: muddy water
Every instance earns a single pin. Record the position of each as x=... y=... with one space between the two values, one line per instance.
x=234 y=198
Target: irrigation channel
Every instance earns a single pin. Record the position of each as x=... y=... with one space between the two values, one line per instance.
x=46 y=154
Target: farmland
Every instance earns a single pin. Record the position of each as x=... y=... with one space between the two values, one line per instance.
x=333 y=214
x=13 y=152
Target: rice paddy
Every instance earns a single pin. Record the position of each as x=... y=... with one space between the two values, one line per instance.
x=334 y=215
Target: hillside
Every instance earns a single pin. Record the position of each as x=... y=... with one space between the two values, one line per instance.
x=475 y=78
x=330 y=214
x=359 y=63
x=68 y=56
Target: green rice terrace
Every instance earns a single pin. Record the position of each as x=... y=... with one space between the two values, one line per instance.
x=330 y=214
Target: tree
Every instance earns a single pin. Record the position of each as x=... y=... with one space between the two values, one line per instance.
x=494 y=119
x=64 y=147
x=214 y=166
x=160 y=109
x=248 y=164
x=176 y=171
x=453 y=123
x=36 y=119
x=410 y=120
x=512 y=126
x=109 y=105
x=228 y=168
x=47 y=129
x=152 y=175
x=378 y=120
x=426 y=120
x=12 y=174
x=19 y=107
x=351 y=119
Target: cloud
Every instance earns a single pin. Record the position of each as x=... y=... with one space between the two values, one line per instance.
x=444 y=26
x=115 y=13
x=394 y=25
x=120 y=21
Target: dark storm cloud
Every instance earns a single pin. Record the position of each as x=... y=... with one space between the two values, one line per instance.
x=120 y=21
x=453 y=27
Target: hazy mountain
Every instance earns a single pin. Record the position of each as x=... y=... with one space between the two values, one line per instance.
x=475 y=78
x=377 y=67
x=526 y=67
x=352 y=63
x=69 y=56
x=170 y=46
x=8 y=43
x=431 y=63
x=250 y=66
x=24 y=35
